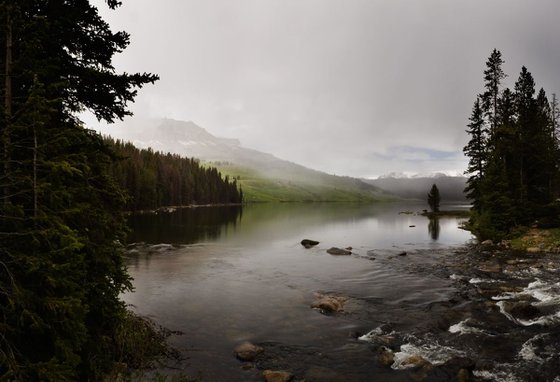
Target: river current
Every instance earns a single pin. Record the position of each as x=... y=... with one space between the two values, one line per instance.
x=421 y=301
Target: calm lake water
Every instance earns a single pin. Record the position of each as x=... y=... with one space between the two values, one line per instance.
x=226 y=275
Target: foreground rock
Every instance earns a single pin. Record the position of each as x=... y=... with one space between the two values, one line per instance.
x=338 y=251
x=247 y=351
x=386 y=356
x=329 y=304
x=277 y=376
x=309 y=243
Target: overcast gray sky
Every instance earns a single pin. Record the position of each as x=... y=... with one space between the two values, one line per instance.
x=350 y=87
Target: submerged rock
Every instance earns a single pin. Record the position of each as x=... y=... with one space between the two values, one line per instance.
x=338 y=251
x=329 y=304
x=247 y=351
x=277 y=376
x=309 y=243
x=403 y=253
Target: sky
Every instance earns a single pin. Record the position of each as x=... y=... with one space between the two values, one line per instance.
x=349 y=87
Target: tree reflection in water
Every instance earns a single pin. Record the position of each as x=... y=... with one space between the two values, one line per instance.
x=434 y=227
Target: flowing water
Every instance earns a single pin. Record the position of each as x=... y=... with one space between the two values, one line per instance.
x=222 y=276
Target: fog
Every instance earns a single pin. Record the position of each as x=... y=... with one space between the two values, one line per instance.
x=357 y=87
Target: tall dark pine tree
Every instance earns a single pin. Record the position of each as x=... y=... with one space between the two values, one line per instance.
x=493 y=76
x=475 y=150
x=61 y=269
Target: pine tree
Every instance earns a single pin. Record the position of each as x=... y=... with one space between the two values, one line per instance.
x=513 y=165
x=493 y=77
x=476 y=151
x=434 y=198
x=61 y=269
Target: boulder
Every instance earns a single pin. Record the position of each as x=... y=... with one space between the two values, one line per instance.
x=385 y=356
x=338 y=251
x=525 y=311
x=247 y=351
x=533 y=250
x=309 y=243
x=490 y=267
x=415 y=361
x=277 y=376
x=487 y=243
x=329 y=304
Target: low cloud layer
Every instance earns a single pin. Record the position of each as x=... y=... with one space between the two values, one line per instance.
x=354 y=87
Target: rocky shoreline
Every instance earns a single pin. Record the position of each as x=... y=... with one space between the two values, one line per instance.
x=491 y=329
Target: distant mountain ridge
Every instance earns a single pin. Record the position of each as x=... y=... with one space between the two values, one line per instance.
x=451 y=188
x=262 y=176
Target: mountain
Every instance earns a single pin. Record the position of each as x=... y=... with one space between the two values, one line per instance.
x=262 y=176
x=417 y=187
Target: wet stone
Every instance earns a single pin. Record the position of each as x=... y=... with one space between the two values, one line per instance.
x=329 y=304
x=385 y=356
x=307 y=243
x=247 y=351
x=338 y=251
x=490 y=267
x=525 y=311
x=277 y=376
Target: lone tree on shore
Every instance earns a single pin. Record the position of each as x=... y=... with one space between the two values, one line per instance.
x=434 y=198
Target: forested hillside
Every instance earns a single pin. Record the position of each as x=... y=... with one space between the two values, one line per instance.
x=153 y=179
x=263 y=177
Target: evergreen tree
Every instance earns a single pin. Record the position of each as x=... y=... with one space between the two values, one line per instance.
x=434 y=198
x=476 y=151
x=61 y=269
x=493 y=76
x=513 y=165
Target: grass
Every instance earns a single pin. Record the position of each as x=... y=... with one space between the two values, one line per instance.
x=544 y=239
x=141 y=347
x=258 y=188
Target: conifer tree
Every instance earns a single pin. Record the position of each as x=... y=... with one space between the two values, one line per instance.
x=513 y=166
x=475 y=150
x=434 y=198
x=493 y=76
x=61 y=269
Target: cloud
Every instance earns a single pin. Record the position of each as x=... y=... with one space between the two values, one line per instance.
x=331 y=84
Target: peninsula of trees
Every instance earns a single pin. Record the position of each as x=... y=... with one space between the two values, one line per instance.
x=514 y=155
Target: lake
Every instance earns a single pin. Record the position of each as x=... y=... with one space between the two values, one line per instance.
x=225 y=275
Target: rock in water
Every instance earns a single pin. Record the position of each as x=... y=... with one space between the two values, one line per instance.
x=403 y=253
x=247 y=351
x=277 y=376
x=338 y=251
x=386 y=356
x=329 y=304
x=309 y=243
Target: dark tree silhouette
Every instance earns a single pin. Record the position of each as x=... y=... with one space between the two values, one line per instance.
x=434 y=198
